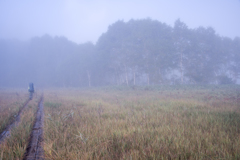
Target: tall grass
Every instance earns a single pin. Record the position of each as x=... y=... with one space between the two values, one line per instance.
x=10 y=103
x=142 y=123
x=15 y=145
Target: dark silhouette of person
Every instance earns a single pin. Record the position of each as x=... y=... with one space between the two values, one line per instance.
x=30 y=90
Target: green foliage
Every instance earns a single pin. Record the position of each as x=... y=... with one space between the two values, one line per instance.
x=223 y=79
x=52 y=104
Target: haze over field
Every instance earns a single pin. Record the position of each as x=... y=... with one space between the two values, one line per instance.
x=77 y=43
x=111 y=79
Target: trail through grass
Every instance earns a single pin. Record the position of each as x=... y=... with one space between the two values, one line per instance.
x=10 y=103
x=15 y=145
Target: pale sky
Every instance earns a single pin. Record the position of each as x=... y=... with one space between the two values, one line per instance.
x=85 y=20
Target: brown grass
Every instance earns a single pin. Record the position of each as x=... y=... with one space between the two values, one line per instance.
x=150 y=123
x=14 y=146
x=10 y=103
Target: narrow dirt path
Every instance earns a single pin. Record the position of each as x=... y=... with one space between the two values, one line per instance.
x=35 y=149
x=7 y=132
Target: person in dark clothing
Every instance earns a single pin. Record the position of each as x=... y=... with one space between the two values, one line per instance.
x=30 y=90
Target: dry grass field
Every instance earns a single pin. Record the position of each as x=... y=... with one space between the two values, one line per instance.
x=143 y=123
x=181 y=122
x=11 y=101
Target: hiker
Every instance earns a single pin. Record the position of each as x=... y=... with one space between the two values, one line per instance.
x=30 y=90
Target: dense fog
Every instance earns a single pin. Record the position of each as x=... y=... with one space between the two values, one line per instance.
x=137 y=52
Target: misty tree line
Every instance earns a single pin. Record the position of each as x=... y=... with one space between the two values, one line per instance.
x=137 y=52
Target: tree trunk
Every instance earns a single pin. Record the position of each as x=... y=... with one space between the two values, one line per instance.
x=148 y=79
x=89 y=78
x=181 y=69
x=126 y=75
x=117 y=77
x=134 y=78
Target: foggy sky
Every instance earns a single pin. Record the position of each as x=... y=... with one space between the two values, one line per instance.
x=81 y=21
